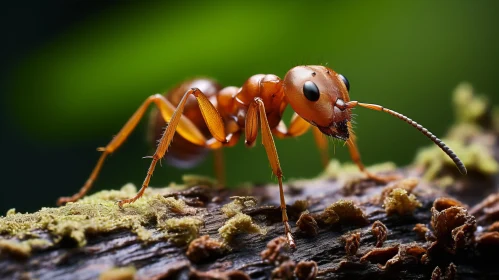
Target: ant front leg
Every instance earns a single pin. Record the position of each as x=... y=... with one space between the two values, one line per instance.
x=297 y=127
x=355 y=155
x=322 y=145
x=256 y=111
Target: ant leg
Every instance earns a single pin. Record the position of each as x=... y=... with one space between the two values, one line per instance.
x=354 y=154
x=211 y=117
x=299 y=126
x=322 y=145
x=186 y=128
x=257 y=110
x=88 y=184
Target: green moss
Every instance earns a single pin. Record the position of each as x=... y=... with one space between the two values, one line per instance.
x=96 y=213
x=240 y=223
x=237 y=204
x=400 y=202
x=182 y=230
x=119 y=273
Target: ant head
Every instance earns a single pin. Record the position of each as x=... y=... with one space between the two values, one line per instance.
x=319 y=95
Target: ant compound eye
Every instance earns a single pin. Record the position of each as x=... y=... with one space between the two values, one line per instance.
x=311 y=91
x=345 y=81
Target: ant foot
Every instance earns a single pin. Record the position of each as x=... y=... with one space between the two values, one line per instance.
x=121 y=203
x=383 y=178
x=125 y=201
x=291 y=241
x=289 y=236
x=64 y=200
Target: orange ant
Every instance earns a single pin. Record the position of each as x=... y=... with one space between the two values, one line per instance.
x=208 y=117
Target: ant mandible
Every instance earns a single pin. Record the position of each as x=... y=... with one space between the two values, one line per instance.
x=208 y=117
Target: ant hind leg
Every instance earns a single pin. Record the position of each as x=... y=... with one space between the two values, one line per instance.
x=210 y=115
x=185 y=127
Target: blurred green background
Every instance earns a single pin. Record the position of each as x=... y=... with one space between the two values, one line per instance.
x=75 y=71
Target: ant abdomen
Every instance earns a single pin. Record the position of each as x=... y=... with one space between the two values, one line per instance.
x=183 y=153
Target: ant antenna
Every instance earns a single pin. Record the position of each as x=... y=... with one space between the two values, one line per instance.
x=423 y=130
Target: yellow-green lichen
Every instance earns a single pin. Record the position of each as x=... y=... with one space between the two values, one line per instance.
x=191 y=180
x=475 y=156
x=22 y=249
x=348 y=170
x=495 y=119
x=407 y=184
x=466 y=137
x=468 y=106
x=38 y=243
x=142 y=233
x=119 y=273
x=300 y=205
x=347 y=211
x=15 y=248
x=11 y=211
x=240 y=223
x=400 y=202
x=68 y=229
x=328 y=217
x=463 y=132
x=237 y=204
x=182 y=230
x=98 y=213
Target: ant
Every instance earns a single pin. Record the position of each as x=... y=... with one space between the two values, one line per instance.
x=209 y=117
